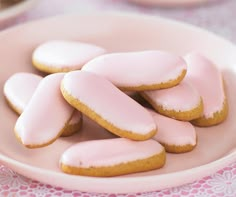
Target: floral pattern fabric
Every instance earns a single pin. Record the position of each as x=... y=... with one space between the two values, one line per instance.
x=220 y=184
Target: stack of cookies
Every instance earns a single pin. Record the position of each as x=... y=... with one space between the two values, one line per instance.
x=178 y=92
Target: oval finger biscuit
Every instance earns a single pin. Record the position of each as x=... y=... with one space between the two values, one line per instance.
x=18 y=91
x=112 y=157
x=101 y=101
x=46 y=115
x=139 y=71
x=176 y=136
x=208 y=80
x=182 y=102
x=63 y=56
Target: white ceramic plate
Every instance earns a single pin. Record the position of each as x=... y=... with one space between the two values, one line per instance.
x=15 y=10
x=117 y=32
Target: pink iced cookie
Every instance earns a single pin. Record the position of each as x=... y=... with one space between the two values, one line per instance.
x=181 y=102
x=45 y=117
x=112 y=157
x=176 y=136
x=19 y=89
x=139 y=71
x=207 y=79
x=101 y=101
x=63 y=56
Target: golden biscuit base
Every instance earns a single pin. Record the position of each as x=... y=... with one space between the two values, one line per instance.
x=104 y=123
x=46 y=143
x=50 y=68
x=217 y=117
x=154 y=162
x=69 y=129
x=179 y=115
x=178 y=149
x=163 y=85
x=171 y=148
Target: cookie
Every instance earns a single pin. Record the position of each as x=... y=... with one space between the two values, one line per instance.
x=176 y=136
x=46 y=116
x=208 y=80
x=112 y=157
x=63 y=56
x=181 y=102
x=19 y=89
x=104 y=103
x=139 y=71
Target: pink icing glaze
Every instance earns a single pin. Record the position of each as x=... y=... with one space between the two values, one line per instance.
x=137 y=68
x=207 y=79
x=182 y=97
x=46 y=114
x=60 y=54
x=174 y=132
x=109 y=152
x=109 y=102
x=19 y=89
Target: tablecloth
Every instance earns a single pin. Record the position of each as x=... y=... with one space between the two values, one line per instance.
x=217 y=16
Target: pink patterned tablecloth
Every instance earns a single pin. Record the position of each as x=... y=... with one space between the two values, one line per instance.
x=218 y=17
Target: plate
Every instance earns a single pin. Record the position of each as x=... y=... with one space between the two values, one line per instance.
x=170 y=3
x=117 y=32
x=13 y=10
